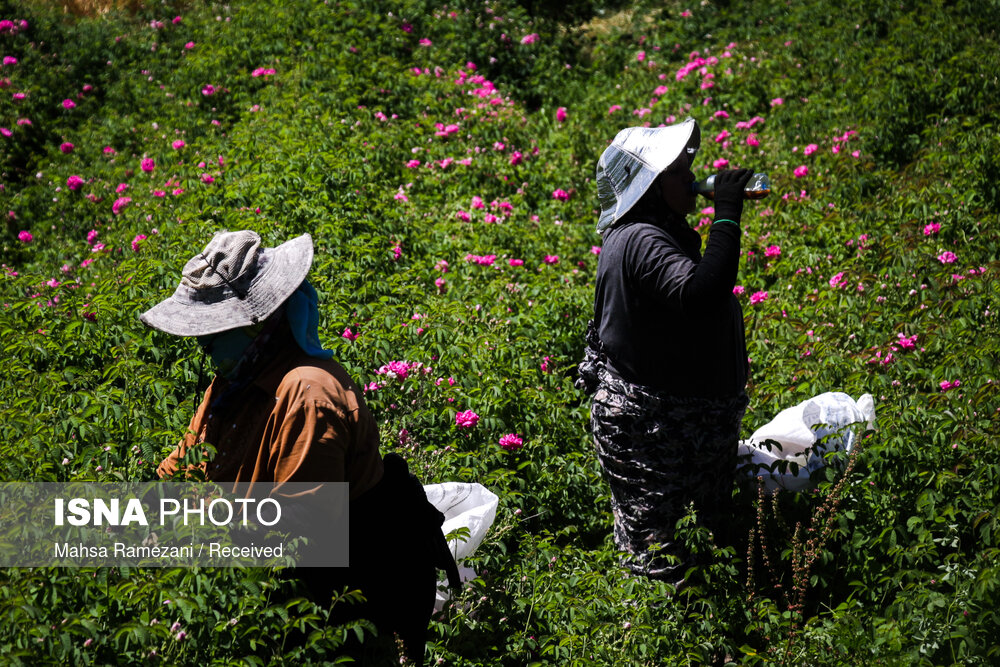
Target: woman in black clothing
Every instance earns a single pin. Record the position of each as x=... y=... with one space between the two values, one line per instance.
x=666 y=355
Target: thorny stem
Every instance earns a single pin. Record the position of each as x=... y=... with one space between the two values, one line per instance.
x=805 y=555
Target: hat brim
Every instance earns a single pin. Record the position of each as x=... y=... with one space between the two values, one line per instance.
x=634 y=160
x=282 y=270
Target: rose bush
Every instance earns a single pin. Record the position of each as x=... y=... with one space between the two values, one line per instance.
x=442 y=156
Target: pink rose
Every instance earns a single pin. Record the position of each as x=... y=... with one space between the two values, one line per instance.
x=947 y=257
x=466 y=419
x=511 y=442
x=120 y=204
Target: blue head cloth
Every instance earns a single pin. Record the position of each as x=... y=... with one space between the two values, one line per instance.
x=302 y=311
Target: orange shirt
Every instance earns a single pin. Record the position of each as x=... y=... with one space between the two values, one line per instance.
x=302 y=420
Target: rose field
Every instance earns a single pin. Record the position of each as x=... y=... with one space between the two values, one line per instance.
x=442 y=155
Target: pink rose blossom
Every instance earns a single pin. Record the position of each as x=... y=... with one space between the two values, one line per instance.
x=810 y=149
x=757 y=297
x=721 y=136
x=801 y=171
x=516 y=158
x=614 y=107
x=511 y=442
x=838 y=280
x=560 y=194
x=136 y=241
x=481 y=260
x=595 y=249
x=68 y=104
x=738 y=290
x=178 y=144
x=463 y=216
x=207 y=178
x=92 y=236
x=530 y=39
x=147 y=165
x=946 y=385
x=777 y=102
x=397 y=370
x=208 y=90
x=66 y=147
x=74 y=182
x=466 y=419
x=561 y=114
x=932 y=228
x=721 y=163
x=349 y=335
x=752 y=140
x=515 y=262
x=947 y=257
x=25 y=236
x=120 y=204
x=772 y=251
x=551 y=259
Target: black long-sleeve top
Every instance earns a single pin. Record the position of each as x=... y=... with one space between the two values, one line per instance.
x=666 y=314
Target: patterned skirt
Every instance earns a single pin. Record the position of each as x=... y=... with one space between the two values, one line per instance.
x=661 y=453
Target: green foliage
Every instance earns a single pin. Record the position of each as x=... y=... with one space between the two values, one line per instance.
x=862 y=295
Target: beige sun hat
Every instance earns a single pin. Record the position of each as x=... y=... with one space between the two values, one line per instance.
x=632 y=162
x=232 y=283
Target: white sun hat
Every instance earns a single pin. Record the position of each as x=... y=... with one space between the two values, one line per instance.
x=632 y=162
x=232 y=283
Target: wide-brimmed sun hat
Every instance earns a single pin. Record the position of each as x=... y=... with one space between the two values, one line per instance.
x=632 y=162
x=232 y=283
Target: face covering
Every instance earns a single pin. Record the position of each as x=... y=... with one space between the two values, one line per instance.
x=227 y=348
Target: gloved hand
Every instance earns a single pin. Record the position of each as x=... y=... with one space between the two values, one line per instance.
x=729 y=197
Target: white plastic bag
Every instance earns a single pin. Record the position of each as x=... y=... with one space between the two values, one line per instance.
x=471 y=506
x=799 y=431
